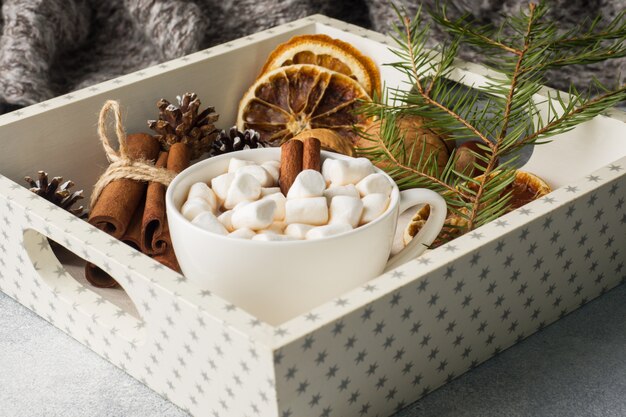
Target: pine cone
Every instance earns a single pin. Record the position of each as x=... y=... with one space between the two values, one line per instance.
x=235 y=140
x=57 y=192
x=184 y=124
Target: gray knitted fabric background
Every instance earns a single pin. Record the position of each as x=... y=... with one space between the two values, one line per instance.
x=51 y=47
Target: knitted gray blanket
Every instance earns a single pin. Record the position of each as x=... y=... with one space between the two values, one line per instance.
x=51 y=47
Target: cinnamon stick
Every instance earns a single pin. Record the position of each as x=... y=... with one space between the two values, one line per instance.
x=311 y=158
x=155 y=237
x=151 y=224
x=290 y=163
x=132 y=237
x=179 y=157
x=116 y=204
x=168 y=257
x=98 y=277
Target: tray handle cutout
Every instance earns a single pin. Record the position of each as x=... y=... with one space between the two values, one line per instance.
x=110 y=311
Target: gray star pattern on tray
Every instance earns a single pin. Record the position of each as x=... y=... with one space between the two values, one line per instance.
x=366 y=353
x=399 y=358
x=126 y=343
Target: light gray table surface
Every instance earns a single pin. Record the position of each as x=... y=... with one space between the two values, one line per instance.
x=575 y=367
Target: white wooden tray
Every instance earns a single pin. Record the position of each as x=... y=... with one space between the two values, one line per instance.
x=369 y=352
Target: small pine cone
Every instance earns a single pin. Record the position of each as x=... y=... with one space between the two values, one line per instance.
x=235 y=140
x=184 y=124
x=57 y=192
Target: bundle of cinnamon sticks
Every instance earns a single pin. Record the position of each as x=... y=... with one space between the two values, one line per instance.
x=134 y=211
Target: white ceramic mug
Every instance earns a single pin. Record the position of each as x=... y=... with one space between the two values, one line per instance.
x=276 y=281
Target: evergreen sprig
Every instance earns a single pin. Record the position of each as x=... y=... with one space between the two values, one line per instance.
x=520 y=51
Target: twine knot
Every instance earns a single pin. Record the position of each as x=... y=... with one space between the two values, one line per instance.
x=122 y=166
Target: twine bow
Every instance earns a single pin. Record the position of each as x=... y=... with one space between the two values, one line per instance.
x=122 y=166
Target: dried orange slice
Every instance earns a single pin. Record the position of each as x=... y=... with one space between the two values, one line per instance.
x=326 y=52
x=288 y=100
x=525 y=188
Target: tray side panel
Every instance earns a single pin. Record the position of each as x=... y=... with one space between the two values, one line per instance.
x=382 y=356
x=176 y=347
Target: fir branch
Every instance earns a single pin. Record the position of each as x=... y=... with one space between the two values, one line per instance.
x=464 y=29
x=581 y=57
x=522 y=49
x=426 y=96
x=574 y=115
x=448 y=54
x=515 y=76
x=477 y=203
x=614 y=30
x=582 y=47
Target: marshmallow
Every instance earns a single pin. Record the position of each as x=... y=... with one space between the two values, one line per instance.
x=330 y=168
x=273 y=167
x=209 y=222
x=269 y=190
x=344 y=172
x=280 y=201
x=328 y=230
x=335 y=190
x=267 y=232
x=309 y=183
x=226 y=218
x=202 y=190
x=307 y=210
x=221 y=184
x=243 y=233
x=255 y=216
x=240 y=205
x=234 y=164
x=276 y=228
x=345 y=209
x=258 y=172
x=197 y=190
x=195 y=206
x=374 y=183
x=297 y=230
x=243 y=188
x=275 y=164
x=361 y=168
x=373 y=206
x=272 y=237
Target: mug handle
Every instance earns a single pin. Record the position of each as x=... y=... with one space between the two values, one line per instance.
x=430 y=230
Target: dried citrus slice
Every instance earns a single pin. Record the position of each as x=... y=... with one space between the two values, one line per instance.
x=525 y=188
x=327 y=52
x=288 y=100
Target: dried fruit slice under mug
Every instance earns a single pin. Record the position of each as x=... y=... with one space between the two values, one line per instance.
x=525 y=188
x=329 y=53
x=288 y=100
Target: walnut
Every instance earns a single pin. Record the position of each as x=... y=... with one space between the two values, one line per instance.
x=417 y=139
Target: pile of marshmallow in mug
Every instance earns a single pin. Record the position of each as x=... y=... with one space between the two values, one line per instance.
x=247 y=203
